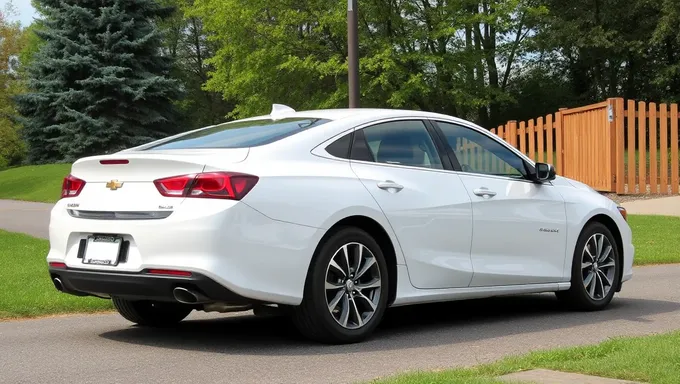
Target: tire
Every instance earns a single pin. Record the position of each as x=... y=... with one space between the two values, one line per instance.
x=150 y=313
x=605 y=277
x=314 y=319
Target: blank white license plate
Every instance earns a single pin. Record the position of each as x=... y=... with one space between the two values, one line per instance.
x=102 y=250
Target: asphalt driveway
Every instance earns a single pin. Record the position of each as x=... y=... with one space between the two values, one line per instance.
x=26 y=217
x=247 y=349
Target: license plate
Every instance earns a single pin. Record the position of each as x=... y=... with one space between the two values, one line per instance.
x=102 y=250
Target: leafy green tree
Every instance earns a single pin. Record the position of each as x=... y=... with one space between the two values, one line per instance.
x=667 y=37
x=30 y=46
x=186 y=42
x=457 y=57
x=12 y=149
x=99 y=82
x=604 y=47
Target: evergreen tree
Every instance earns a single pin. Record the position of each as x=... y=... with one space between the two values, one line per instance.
x=99 y=82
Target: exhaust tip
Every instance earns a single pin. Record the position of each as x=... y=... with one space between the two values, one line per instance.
x=58 y=284
x=185 y=296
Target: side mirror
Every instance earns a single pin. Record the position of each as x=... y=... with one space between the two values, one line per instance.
x=545 y=172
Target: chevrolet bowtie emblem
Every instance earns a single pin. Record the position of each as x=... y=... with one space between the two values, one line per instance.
x=114 y=184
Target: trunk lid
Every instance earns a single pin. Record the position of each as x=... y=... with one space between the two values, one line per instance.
x=129 y=187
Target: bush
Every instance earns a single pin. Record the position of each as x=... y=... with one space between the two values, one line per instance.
x=12 y=147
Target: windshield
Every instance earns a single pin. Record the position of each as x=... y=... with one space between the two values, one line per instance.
x=241 y=134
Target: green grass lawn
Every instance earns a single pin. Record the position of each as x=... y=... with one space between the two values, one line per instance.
x=656 y=239
x=25 y=286
x=33 y=183
x=651 y=359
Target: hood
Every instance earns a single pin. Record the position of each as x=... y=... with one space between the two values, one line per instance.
x=580 y=185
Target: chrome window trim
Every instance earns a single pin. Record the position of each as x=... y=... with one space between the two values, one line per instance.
x=320 y=150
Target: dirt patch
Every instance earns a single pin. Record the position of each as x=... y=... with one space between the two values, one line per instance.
x=620 y=199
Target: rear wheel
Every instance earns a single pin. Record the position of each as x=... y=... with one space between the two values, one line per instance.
x=595 y=271
x=151 y=313
x=346 y=292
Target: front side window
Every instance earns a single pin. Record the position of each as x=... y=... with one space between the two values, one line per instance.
x=479 y=153
x=405 y=143
x=241 y=134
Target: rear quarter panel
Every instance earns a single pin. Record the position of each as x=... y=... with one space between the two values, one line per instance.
x=311 y=191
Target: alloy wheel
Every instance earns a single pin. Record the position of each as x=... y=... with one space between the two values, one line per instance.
x=353 y=285
x=598 y=266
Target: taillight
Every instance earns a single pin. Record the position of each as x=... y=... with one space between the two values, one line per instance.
x=71 y=186
x=177 y=186
x=214 y=185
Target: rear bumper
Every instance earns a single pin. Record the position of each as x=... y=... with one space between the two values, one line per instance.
x=230 y=243
x=141 y=286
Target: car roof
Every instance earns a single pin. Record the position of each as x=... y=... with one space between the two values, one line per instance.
x=355 y=116
x=343 y=113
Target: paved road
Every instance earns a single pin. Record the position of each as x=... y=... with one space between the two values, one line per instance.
x=26 y=217
x=247 y=349
x=669 y=206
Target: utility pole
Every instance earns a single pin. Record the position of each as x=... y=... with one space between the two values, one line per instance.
x=353 y=53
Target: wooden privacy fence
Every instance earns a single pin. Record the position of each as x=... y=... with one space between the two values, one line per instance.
x=618 y=146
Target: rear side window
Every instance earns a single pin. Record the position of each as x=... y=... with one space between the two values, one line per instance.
x=241 y=134
x=340 y=147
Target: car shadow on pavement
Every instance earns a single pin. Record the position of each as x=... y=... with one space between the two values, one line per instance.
x=405 y=327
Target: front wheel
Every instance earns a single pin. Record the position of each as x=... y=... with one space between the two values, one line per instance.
x=595 y=271
x=346 y=292
x=151 y=313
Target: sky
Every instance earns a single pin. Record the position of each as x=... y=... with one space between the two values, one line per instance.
x=24 y=8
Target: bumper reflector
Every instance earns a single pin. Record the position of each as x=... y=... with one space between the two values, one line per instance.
x=169 y=272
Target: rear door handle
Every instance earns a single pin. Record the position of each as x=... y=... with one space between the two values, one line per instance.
x=389 y=184
x=484 y=192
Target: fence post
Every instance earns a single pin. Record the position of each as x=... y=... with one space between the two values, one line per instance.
x=559 y=142
x=550 y=134
x=616 y=122
x=512 y=133
x=663 y=147
x=653 y=150
x=630 y=159
x=642 y=146
x=674 y=150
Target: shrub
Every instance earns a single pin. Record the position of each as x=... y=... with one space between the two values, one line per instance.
x=12 y=147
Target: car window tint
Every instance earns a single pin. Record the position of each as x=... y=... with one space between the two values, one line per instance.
x=241 y=134
x=360 y=149
x=399 y=142
x=479 y=153
x=340 y=147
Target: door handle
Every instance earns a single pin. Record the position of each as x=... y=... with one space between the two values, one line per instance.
x=484 y=192
x=389 y=184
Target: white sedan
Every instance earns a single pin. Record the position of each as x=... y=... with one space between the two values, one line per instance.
x=330 y=217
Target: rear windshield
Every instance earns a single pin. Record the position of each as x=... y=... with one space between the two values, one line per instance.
x=241 y=134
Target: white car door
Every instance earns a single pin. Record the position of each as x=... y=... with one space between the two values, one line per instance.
x=519 y=226
x=424 y=201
